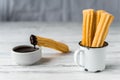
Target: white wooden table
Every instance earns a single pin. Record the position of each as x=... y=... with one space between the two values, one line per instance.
x=54 y=65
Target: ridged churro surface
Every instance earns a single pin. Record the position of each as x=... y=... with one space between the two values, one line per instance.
x=95 y=27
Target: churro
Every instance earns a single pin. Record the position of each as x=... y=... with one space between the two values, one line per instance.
x=95 y=27
x=84 y=29
x=98 y=30
x=87 y=33
x=98 y=16
x=50 y=43
x=106 y=29
x=91 y=27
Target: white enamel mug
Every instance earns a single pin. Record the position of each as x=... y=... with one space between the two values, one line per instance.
x=26 y=58
x=91 y=59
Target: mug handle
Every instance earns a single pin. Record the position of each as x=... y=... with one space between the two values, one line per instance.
x=76 y=57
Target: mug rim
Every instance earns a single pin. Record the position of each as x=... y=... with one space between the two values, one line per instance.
x=105 y=45
x=17 y=52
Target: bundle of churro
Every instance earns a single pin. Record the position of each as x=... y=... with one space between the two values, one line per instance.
x=95 y=27
x=50 y=43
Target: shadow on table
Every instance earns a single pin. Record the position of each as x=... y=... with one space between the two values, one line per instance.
x=45 y=60
x=113 y=68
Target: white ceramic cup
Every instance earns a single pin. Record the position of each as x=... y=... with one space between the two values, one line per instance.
x=91 y=59
x=26 y=58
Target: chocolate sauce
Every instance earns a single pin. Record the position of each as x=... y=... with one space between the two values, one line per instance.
x=33 y=40
x=24 y=48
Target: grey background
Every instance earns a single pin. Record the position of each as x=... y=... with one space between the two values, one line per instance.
x=53 y=10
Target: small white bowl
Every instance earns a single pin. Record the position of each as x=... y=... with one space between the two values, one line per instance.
x=26 y=58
